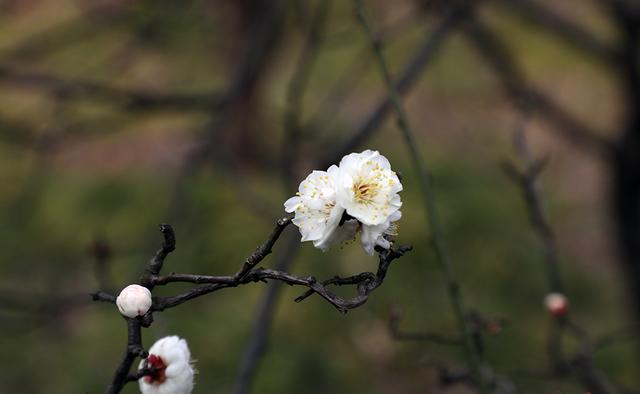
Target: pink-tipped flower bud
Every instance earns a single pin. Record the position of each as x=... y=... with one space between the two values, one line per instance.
x=557 y=304
x=134 y=300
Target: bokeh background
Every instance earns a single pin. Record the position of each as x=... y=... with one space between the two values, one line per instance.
x=118 y=115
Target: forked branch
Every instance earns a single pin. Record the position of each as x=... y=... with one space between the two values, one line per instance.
x=365 y=283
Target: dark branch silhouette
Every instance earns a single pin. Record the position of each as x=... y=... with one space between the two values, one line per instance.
x=564 y=29
x=428 y=200
x=127 y=99
x=365 y=283
x=526 y=97
x=414 y=69
x=582 y=364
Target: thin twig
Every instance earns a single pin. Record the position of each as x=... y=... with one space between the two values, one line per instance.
x=293 y=130
x=154 y=266
x=324 y=115
x=582 y=363
x=296 y=90
x=564 y=29
x=421 y=169
x=128 y=99
x=414 y=69
x=261 y=328
x=365 y=283
x=134 y=349
x=134 y=342
x=255 y=258
x=527 y=98
x=526 y=180
x=263 y=34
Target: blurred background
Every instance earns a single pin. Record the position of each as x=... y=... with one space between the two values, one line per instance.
x=118 y=115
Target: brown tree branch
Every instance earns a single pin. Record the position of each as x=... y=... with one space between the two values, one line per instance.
x=133 y=350
x=293 y=129
x=527 y=98
x=365 y=283
x=564 y=29
x=261 y=327
x=428 y=199
x=410 y=74
x=128 y=99
x=154 y=266
x=582 y=364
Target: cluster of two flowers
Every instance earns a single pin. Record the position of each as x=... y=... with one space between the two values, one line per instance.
x=360 y=195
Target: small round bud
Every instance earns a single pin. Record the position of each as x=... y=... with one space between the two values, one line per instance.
x=557 y=304
x=134 y=300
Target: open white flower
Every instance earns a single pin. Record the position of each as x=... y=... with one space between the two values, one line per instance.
x=377 y=235
x=316 y=213
x=170 y=359
x=134 y=300
x=367 y=188
x=361 y=195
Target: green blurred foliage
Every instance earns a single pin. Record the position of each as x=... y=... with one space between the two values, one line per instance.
x=80 y=169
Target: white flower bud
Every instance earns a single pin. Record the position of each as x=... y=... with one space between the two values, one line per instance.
x=170 y=360
x=557 y=304
x=134 y=300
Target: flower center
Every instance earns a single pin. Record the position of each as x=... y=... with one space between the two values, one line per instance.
x=156 y=367
x=364 y=191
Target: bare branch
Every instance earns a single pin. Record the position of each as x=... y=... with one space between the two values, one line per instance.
x=564 y=29
x=262 y=324
x=155 y=264
x=296 y=90
x=582 y=363
x=365 y=283
x=150 y=279
x=431 y=212
x=128 y=99
x=103 y=297
x=408 y=77
x=526 y=180
x=254 y=259
x=263 y=250
x=339 y=91
x=134 y=349
x=526 y=97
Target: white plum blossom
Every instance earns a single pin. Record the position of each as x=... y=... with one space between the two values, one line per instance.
x=373 y=236
x=134 y=300
x=367 y=188
x=170 y=360
x=358 y=196
x=316 y=213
